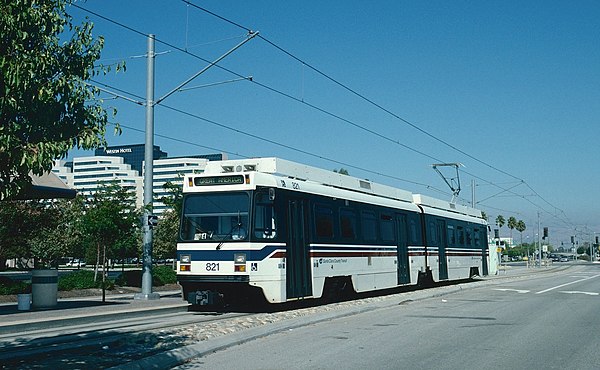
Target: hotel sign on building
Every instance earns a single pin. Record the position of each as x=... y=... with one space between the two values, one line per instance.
x=132 y=154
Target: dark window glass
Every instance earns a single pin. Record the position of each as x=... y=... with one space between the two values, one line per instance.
x=477 y=238
x=265 y=224
x=387 y=228
x=324 y=221
x=348 y=223
x=368 y=225
x=412 y=228
x=461 y=235
x=216 y=216
x=450 y=233
x=469 y=236
x=433 y=239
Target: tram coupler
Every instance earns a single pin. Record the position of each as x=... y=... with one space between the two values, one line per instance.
x=205 y=298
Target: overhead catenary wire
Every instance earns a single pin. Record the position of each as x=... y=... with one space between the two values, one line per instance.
x=330 y=113
x=261 y=138
x=372 y=102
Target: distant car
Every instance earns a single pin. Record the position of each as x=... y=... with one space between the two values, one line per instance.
x=76 y=263
x=564 y=259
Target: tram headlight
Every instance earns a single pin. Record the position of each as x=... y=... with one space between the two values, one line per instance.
x=185 y=258
x=239 y=258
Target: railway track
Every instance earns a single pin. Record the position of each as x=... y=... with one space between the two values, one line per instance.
x=100 y=345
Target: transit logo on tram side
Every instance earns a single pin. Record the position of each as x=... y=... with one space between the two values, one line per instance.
x=332 y=260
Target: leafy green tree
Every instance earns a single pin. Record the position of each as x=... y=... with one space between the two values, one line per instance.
x=46 y=106
x=20 y=222
x=111 y=222
x=165 y=233
x=341 y=171
x=60 y=235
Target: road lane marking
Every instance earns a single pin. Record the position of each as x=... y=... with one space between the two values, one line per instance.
x=520 y=291
x=578 y=292
x=562 y=285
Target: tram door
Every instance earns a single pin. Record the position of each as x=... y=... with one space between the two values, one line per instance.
x=403 y=266
x=443 y=263
x=298 y=273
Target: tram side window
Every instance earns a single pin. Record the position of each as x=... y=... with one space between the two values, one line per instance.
x=348 y=223
x=412 y=227
x=433 y=239
x=468 y=235
x=323 y=221
x=368 y=223
x=387 y=228
x=461 y=235
x=265 y=224
x=451 y=237
x=476 y=238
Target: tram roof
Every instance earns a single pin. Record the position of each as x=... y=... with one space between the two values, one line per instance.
x=438 y=204
x=282 y=167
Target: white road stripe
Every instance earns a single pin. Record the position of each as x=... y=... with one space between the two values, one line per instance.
x=578 y=292
x=562 y=285
x=521 y=291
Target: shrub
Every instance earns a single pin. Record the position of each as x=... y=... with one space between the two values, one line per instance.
x=161 y=275
x=9 y=286
x=165 y=274
x=82 y=279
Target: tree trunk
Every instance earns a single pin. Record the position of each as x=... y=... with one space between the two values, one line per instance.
x=104 y=273
x=97 y=261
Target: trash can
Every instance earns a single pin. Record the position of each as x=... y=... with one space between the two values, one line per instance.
x=44 y=288
x=24 y=302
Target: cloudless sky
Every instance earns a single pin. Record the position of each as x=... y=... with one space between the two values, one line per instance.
x=513 y=85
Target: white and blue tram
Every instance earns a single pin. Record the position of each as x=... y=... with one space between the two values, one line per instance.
x=284 y=231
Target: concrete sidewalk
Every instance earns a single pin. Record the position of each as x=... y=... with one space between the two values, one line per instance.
x=86 y=309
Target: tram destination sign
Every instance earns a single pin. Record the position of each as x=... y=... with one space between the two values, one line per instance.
x=219 y=180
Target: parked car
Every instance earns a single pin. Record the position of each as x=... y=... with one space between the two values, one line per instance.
x=564 y=259
x=76 y=263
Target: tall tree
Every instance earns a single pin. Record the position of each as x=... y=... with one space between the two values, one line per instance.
x=500 y=222
x=46 y=106
x=512 y=223
x=520 y=228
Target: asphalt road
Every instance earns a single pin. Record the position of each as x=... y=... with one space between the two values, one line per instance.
x=549 y=321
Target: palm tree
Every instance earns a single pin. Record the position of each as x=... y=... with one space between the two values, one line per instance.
x=512 y=223
x=500 y=222
x=520 y=228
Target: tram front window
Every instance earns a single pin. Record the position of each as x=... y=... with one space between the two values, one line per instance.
x=215 y=217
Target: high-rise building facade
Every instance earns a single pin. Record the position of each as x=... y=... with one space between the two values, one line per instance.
x=121 y=164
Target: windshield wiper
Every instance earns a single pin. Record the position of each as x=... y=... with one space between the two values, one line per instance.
x=238 y=226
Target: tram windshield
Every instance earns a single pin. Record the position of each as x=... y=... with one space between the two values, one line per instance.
x=215 y=217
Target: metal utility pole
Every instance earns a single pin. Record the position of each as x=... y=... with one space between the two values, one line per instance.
x=148 y=179
x=473 y=194
x=539 y=242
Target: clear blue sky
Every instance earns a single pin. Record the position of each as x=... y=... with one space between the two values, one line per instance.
x=514 y=84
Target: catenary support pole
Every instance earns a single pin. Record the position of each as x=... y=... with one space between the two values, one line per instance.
x=148 y=179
